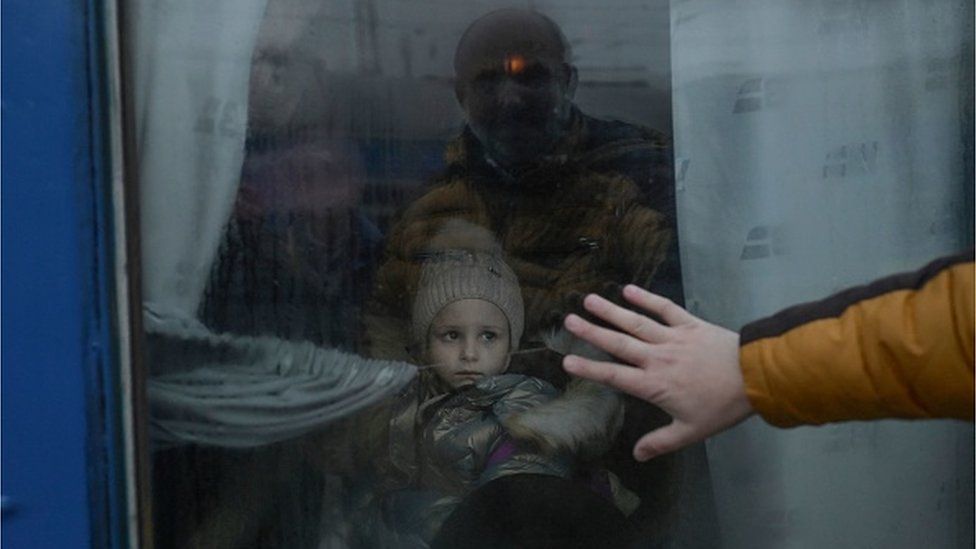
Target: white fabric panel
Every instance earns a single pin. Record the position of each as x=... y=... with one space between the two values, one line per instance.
x=819 y=145
x=244 y=392
x=189 y=68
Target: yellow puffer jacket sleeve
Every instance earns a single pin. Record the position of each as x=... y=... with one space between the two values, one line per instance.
x=901 y=347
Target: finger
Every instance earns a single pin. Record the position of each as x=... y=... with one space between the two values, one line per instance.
x=664 y=440
x=663 y=307
x=627 y=379
x=635 y=324
x=622 y=346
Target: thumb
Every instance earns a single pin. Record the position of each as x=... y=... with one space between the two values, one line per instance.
x=666 y=439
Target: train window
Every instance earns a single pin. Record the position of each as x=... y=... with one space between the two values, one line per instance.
x=363 y=222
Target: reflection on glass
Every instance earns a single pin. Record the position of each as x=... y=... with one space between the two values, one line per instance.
x=577 y=204
x=354 y=180
x=328 y=184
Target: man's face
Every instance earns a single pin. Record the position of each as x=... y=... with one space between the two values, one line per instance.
x=516 y=105
x=468 y=340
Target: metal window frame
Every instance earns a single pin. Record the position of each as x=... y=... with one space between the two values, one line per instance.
x=75 y=468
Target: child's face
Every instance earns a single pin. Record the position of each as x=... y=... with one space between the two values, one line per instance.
x=467 y=340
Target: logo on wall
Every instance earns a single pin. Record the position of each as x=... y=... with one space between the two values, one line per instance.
x=755 y=94
x=851 y=160
x=763 y=241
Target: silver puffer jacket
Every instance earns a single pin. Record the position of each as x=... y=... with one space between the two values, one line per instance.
x=455 y=442
x=443 y=446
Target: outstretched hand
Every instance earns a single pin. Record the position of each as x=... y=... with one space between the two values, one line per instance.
x=688 y=367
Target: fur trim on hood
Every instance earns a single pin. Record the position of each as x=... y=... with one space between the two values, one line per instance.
x=584 y=420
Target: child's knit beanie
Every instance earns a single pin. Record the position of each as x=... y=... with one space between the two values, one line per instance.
x=452 y=275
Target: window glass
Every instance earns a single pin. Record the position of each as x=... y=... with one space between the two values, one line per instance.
x=363 y=222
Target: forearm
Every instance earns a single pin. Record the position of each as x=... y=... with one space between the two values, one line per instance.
x=900 y=347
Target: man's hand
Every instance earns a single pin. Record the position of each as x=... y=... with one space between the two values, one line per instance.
x=689 y=368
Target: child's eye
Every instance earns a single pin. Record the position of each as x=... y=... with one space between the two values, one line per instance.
x=489 y=336
x=450 y=335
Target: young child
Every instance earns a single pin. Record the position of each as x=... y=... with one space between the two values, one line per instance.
x=447 y=434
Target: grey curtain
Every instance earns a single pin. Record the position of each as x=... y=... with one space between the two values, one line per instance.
x=820 y=145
